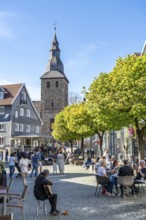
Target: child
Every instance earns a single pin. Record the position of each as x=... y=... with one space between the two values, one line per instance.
x=54 y=166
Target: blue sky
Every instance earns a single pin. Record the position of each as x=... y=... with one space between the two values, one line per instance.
x=92 y=34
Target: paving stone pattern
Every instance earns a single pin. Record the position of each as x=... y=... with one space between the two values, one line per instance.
x=76 y=189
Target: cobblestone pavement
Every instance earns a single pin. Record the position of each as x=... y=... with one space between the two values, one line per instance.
x=75 y=191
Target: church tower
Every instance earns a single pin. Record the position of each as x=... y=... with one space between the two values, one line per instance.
x=54 y=88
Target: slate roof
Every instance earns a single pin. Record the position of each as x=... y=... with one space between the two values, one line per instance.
x=11 y=92
x=53 y=74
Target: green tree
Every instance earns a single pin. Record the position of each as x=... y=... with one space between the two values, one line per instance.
x=120 y=96
x=129 y=82
x=78 y=121
x=96 y=102
x=61 y=131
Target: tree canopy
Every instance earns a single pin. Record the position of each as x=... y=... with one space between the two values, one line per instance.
x=120 y=96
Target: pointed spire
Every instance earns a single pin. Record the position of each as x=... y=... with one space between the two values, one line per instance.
x=55 y=41
x=55 y=64
x=55 y=44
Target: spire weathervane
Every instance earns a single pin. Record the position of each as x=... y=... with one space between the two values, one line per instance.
x=55 y=24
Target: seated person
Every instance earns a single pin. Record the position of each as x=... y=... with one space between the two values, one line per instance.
x=102 y=172
x=141 y=175
x=125 y=170
x=40 y=194
x=114 y=173
x=142 y=171
x=87 y=163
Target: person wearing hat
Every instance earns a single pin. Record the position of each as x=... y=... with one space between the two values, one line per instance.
x=40 y=193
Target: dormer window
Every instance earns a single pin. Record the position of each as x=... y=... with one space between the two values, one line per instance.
x=1 y=95
x=23 y=98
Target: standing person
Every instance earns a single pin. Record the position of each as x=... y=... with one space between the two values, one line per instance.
x=69 y=155
x=39 y=154
x=60 y=162
x=54 y=166
x=6 y=155
x=24 y=163
x=12 y=165
x=97 y=164
x=3 y=174
x=40 y=194
x=35 y=165
x=2 y=166
x=17 y=165
x=106 y=155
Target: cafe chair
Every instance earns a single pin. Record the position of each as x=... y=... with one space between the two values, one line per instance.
x=21 y=200
x=7 y=188
x=101 y=182
x=140 y=185
x=127 y=181
x=38 y=206
x=6 y=217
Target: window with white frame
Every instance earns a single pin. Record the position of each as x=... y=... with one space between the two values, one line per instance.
x=2 y=127
x=1 y=141
x=16 y=114
x=21 y=111
x=16 y=127
x=27 y=128
x=37 y=129
x=28 y=113
x=2 y=110
x=21 y=127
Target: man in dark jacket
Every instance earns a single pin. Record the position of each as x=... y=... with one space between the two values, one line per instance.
x=125 y=170
x=40 y=194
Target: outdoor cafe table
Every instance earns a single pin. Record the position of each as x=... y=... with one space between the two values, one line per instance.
x=141 y=181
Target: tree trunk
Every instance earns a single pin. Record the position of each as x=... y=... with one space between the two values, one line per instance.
x=71 y=146
x=140 y=136
x=82 y=147
x=141 y=146
x=101 y=141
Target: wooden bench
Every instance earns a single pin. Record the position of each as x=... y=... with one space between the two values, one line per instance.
x=78 y=162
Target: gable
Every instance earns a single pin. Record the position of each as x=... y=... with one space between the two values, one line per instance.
x=23 y=100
